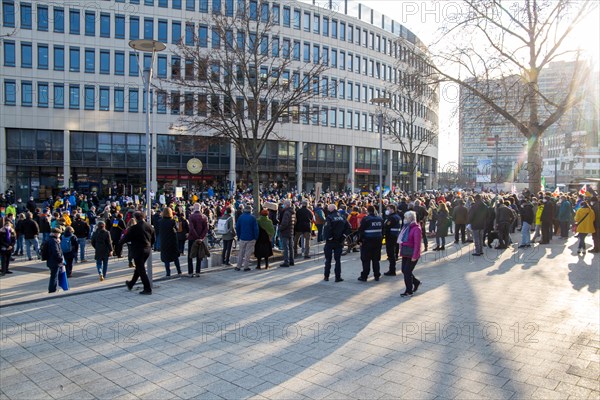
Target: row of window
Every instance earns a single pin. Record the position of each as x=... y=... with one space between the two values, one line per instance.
x=295 y=18
x=345 y=90
x=98 y=98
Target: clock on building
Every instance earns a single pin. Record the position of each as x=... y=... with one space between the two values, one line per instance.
x=194 y=166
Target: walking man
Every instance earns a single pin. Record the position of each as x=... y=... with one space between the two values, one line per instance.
x=142 y=237
x=286 y=233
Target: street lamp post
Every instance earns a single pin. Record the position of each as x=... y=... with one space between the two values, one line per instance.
x=154 y=46
x=380 y=101
x=497 y=139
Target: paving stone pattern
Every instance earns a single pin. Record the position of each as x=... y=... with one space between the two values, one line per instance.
x=509 y=325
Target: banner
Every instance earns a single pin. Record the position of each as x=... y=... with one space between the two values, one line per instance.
x=484 y=170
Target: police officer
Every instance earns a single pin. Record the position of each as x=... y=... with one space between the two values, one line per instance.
x=370 y=233
x=334 y=232
x=391 y=229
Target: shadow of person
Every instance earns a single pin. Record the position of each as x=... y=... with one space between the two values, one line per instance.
x=582 y=274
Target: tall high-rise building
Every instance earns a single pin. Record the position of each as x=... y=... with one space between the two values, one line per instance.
x=493 y=151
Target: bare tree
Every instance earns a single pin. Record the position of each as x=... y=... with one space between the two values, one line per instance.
x=412 y=120
x=494 y=41
x=247 y=86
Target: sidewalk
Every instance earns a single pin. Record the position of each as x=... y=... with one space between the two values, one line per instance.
x=508 y=325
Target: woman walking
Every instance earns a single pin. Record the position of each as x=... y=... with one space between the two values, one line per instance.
x=262 y=247
x=585 y=219
x=442 y=224
x=116 y=231
x=103 y=246
x=169 y=249
x=410 y=250
x=69 y=246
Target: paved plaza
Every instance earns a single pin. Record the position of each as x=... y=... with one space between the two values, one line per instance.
x=512 y=324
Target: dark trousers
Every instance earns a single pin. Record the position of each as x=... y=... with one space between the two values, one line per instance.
x=191 y=261
x=168 y=267
x=503 y=234
x=319 y=232
x=53 y=283
x=370 y=252
x=139 y=259
x=391 y=249
x=564 y=229
x=408 y=266
x=334 y=250
x=5 y=259
x=69 y=257
x=459 y=228
x=227 y=244
x=424 y=235
x=546 y=232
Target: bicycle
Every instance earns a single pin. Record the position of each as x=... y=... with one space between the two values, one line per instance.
x=217 y=241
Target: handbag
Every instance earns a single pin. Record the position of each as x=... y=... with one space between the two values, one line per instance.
x=63 y=281
x=406 y=251
x=574 y=227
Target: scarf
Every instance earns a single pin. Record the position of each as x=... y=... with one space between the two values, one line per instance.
x=404 y=233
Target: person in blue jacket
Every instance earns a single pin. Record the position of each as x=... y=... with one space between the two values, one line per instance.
x=247 y=232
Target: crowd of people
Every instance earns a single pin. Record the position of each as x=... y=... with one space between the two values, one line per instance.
x=290 y=222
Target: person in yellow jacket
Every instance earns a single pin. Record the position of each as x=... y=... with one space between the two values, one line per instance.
x=538 y=219
x=67 y=218
x=585 y=219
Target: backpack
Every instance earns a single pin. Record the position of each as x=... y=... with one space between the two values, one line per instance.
x=44 y=252
x=319 y=217
x=65 y=244
x=353 y=220
x=180 y=225
x=222 y=226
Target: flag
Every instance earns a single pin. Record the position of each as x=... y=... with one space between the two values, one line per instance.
x=583 y=190
x=543 y=184
x=513 y=189
x=556 y=192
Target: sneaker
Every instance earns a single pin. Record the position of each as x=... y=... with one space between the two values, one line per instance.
x=360 y=278
x=237 y=269
x=406 y=294
x=129 y=285
x=247 y=269
x=101 y=278
x=291 y=264
x=389 y=273
x=30 y=258
x=306 y=257
x=146 y=292
x=9 y=272
x=377 y=278
x=326 y=279
x=281 y=266
x=477 y=254
x=339 y=280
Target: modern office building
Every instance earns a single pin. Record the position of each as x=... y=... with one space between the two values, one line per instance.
x=569 y=147
x=72 y=105
x=490 y=148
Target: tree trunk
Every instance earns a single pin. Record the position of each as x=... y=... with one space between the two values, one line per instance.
x=413 y=173
x=255 y=188
x=534 y=164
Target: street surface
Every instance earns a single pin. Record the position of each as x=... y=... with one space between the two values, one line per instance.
x=510 y=325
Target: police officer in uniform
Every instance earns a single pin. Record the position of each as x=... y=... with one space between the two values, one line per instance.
x=391 y=229
x=370 y=233
x=334 y=232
